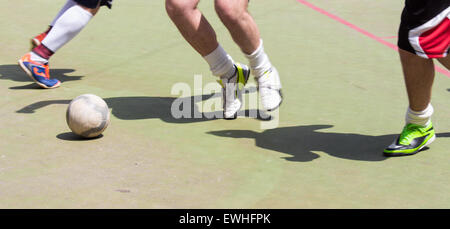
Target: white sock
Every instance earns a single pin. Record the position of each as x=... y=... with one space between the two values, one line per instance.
x=66 y=27
x=422 y=118
x=220 y=63
x=37 y=58
x=68 y=5
x=259 y=61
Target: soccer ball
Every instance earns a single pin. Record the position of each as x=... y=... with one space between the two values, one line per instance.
x=88 y=115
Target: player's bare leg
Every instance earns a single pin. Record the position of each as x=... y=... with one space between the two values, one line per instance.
x=240 y=24
x=198 y=32
x=192 y=25
x=245 y=33
x=445 y=61
x=92 y=11
x=71 y=19
x=418 y=132
x=419 y=76
x=201 y=36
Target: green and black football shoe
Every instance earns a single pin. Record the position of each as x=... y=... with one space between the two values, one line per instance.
x=412 y=139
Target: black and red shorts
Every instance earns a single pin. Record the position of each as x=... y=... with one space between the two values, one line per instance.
x=94 y=3
x=425 y=28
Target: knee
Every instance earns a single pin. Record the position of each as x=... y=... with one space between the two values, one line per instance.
x=229 y=10
x=176 y=8
x=93 y=11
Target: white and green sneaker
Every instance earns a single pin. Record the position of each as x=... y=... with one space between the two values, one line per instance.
x=232 y=89
x=269 y=88
x=412 y=139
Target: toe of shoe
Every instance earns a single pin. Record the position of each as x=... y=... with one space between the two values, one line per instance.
x=272 y=101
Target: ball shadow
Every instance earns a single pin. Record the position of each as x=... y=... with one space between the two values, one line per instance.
x=70 y=136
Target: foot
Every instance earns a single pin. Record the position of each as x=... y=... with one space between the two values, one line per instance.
x=38 y=72
x=231 y=90
x=412 y=139
x=36 y=41
x=269 y=87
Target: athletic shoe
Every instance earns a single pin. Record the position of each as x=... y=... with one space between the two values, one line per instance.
x=412 y=139
x=38 y=72
x=269 y=87
x=232 y=89
x=36 y=41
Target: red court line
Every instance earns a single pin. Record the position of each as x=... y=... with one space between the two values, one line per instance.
x=390 y=37
x=360 y=30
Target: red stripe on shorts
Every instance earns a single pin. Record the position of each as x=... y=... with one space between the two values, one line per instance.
x=435 y=42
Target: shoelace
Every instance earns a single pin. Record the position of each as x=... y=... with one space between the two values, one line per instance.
x=408 y=133
x=265 y=83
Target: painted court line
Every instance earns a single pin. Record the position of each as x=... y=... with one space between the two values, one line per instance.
x=360 y=30
x=389 y=37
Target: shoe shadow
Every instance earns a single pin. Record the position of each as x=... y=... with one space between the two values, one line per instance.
x=300 y=142
x=443 y=135
x=136 y=108
x=15 y=73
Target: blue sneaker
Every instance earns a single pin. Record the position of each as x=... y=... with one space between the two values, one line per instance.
x=38 y=72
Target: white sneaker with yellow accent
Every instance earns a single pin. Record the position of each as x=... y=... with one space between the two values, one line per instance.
x=232 y=89
x=269 y=87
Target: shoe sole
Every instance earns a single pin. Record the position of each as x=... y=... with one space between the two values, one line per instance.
x=431 y=140
x=231 y=118
x=25 y=69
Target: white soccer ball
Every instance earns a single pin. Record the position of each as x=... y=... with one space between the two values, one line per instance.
x=88 y=115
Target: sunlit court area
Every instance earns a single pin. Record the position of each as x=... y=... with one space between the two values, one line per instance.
x=155 y=131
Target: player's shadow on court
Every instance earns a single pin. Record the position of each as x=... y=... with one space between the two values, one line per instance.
x=301 y=142
x=15 y=73
x=136 y=108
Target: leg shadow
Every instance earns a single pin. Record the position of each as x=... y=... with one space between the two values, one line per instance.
x=137 y=108
x=300 y=142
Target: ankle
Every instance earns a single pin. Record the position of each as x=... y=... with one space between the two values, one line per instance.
x=421 y=118
x=43 y=52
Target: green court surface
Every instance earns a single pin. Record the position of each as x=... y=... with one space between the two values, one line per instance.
x=345 y=101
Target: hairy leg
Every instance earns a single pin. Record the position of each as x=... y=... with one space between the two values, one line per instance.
x=240 y=24
x=419 y=76
x=192 y=25
x=445 y=61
